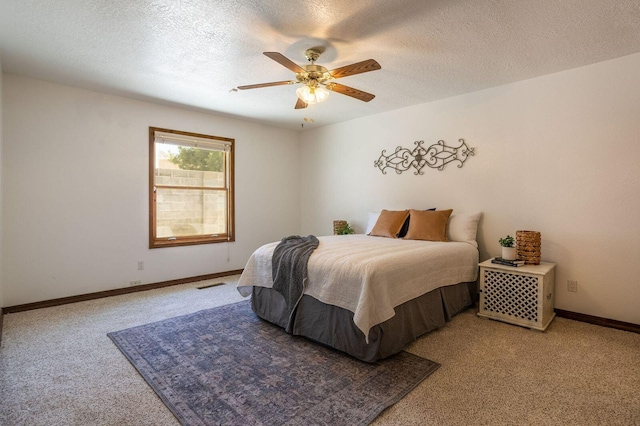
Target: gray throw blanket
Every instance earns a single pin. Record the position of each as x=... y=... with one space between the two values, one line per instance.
x=289 y=269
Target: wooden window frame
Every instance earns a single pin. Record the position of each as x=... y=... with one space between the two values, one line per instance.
x=177 y=241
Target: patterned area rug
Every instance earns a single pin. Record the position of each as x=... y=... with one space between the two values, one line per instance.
x=227 y=366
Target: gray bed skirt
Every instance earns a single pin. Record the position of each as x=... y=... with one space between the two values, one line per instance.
x=334 y=327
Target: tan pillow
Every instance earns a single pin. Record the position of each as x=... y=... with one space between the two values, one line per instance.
x=389 y=223
x=428 y=225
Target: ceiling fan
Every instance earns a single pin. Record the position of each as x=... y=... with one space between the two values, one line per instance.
x=316 y=78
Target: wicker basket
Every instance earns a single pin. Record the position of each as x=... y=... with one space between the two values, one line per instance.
x=528 y=245
x=338 y=225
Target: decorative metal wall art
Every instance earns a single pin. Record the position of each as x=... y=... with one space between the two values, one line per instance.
x=436 y=156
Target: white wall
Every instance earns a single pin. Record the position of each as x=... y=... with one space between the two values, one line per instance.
x=559 y=154
x=66 y=234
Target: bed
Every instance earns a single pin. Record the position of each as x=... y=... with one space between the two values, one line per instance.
x=369 y=296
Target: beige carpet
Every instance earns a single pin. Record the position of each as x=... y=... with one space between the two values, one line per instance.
x=58 y=367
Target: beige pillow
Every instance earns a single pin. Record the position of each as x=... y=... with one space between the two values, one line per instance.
x=389 y=223
x=428 y=225
x=464 y=227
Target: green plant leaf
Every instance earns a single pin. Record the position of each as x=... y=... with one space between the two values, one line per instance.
x=507 y=241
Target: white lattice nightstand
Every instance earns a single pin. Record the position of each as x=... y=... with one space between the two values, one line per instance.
x=522 y=296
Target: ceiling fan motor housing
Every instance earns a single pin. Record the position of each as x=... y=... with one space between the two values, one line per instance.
x=313 y=74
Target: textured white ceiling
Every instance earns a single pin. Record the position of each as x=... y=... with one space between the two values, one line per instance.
x=192 y=52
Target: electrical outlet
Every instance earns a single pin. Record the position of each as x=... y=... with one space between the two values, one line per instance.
x=140 y=265
x=572 y=286
x=136 y=282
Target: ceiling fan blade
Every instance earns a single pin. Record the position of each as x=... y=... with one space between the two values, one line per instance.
x=357 y=68
x=257 y=86
x=350 y=91
x=300 y=104
x=284 y=61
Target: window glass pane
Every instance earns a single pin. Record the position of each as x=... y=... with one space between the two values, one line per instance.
x=189 y=212
x=184 y=166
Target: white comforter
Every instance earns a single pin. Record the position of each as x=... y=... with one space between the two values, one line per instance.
x=370 y=276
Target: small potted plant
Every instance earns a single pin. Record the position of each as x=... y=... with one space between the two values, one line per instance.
x=508 y=249
x=344 y=229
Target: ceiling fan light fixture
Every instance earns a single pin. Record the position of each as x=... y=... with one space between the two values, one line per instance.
x=312 y=95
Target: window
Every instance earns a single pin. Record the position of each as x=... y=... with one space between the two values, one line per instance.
x=190 y=188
